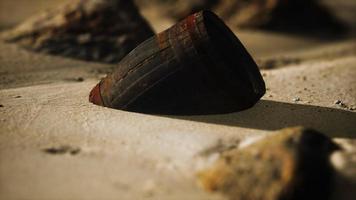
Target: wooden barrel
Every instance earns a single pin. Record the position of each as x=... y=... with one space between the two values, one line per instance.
x=198 y=66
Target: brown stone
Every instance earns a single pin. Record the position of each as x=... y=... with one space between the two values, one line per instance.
x=291 y=164
x=95 y=30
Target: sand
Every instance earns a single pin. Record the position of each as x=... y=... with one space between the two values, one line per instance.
x=54 y=144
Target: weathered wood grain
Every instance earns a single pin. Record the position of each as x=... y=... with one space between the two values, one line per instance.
x=196 y=67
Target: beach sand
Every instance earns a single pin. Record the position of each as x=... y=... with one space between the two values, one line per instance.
x=54 y=144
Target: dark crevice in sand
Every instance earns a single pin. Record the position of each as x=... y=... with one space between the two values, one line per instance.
x=65 y=149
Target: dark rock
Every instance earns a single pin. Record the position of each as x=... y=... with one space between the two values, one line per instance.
x=291 y=164
x=95 y=30
x=179 y=9
x=296 y=16
x=196 y=67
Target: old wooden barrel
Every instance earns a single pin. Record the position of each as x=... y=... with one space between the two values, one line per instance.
x=198 y=66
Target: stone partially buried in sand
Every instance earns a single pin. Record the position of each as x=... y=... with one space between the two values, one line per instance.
x=196 y=67
x=95 y=30
x=290 y=164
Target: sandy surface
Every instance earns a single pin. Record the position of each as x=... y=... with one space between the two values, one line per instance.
x=121 y=151
x=102 y=153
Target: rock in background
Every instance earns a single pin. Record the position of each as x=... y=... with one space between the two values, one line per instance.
x=297 y=16
x=94 y=30
x=179 y=9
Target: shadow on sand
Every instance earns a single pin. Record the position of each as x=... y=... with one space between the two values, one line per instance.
x=272 y=115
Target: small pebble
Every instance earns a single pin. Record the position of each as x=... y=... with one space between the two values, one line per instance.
x=337 y=102
x=18 y=96
x=296 y=99
x=341 y=104
x=1 y=106
x=80 y=79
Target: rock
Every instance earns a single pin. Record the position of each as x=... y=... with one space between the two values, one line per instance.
x=94 y=30
x=179 y=9
x=337 y=102
x=297 y=16
x=296 y=99
x=196 y=67
x=291 y=164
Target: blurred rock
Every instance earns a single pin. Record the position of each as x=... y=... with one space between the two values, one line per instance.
x=345 y=164
x=296 y=16
x=291 y=164
x=179 y=9
x=95 y=30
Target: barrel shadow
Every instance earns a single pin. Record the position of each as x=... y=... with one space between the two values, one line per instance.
x=272 y=115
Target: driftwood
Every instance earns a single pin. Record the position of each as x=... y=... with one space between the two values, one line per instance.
x=196 y=67
x=96 y=30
